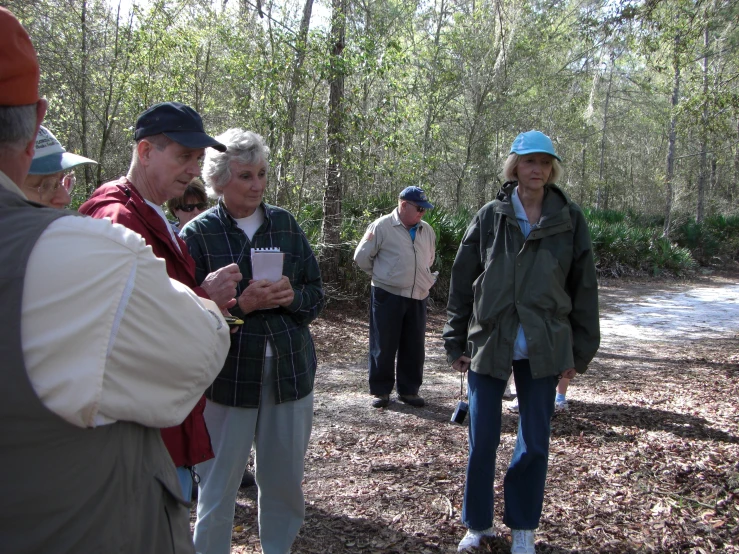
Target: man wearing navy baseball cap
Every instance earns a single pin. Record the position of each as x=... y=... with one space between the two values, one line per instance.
x=170 y=144
x=397 y=251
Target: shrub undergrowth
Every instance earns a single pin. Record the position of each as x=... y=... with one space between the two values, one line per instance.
x=624 y=243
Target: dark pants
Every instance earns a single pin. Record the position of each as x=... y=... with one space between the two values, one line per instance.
x=397 y=326
x=523 y=486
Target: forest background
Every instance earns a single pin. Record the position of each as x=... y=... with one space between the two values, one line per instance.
x=358 y=99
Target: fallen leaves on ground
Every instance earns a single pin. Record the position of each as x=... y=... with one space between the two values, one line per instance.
x=646 y=459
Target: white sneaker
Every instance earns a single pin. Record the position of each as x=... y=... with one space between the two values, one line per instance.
x=561 y=405
x=473 y=538
x=523 y=541
x=512 y=406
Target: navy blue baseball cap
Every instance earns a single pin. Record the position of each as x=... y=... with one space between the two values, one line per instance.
x=177 y=121
x=417 y=196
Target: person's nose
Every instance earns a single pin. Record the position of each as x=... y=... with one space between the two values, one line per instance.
x=193 y=168
x=61 y=198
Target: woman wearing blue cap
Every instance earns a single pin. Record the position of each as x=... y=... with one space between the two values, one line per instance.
x=524 y=299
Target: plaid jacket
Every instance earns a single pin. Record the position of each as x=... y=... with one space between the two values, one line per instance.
x=215 y=241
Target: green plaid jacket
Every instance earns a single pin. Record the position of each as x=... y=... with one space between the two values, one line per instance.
x=215 y=241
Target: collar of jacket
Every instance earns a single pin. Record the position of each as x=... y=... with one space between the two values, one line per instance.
x=129 y=196
x=223 y=214
x=555 y=210
x=396 y=221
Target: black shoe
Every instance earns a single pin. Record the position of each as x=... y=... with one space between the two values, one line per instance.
x=381 y=401
x=247 y=480
x=412 y=400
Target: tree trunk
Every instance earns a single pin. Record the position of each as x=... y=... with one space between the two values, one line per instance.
x=296 y=82
x=431 y=110
x=672 y=138
x=89 y=185
x=703 y=166
x=601 y=196
x=331 y=227
x=735 y=179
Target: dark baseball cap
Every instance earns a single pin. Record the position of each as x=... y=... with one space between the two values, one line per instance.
x=417 y=196
x=177 y=121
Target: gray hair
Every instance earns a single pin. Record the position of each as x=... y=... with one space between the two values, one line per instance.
x=17 y=124
x=244 y=146
x=509 y=169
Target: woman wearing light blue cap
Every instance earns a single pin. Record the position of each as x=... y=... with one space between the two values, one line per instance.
x=50 y=179
x=523 y=299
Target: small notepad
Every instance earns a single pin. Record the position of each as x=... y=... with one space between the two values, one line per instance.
x=266 y=263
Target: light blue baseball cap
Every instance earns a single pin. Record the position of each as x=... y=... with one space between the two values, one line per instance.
x=51 y=157
x=533 y=142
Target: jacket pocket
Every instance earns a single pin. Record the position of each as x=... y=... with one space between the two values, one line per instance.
x=557 y=343
x=481 y=339
x=425 y=279
x=172 y=528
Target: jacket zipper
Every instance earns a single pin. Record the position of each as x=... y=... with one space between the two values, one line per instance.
x=415 y=263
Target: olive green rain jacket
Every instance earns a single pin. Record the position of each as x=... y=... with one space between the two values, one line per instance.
x=546 y=282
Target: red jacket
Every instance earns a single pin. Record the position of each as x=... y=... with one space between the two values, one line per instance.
x=189 y=442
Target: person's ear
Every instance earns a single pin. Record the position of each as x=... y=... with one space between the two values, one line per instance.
x=143 y=149
x=41 y=107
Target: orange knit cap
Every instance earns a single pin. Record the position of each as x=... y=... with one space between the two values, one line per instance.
x=19 y=70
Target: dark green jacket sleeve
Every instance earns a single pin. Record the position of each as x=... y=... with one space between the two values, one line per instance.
x=466 y=269
x=309 y=296
x=582 y=286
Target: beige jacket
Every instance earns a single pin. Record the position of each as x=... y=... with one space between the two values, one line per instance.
x=395 y=262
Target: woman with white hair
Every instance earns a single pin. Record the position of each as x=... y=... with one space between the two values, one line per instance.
x=264 y=393
x=523 y=299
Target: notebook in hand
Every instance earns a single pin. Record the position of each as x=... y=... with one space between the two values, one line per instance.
x=266 y=263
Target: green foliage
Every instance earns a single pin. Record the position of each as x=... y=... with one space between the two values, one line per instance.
x=713 y=242
x=433 y=95
x=623 y=247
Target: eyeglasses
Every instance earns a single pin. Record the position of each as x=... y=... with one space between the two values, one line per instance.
x=190 y=207
x=419 y=209
x=52 y=185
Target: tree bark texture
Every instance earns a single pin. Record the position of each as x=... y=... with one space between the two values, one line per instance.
x=331 y=226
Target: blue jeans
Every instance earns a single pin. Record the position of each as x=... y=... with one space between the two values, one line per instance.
x=524 y=481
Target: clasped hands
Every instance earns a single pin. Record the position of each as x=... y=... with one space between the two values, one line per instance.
x=259 y=295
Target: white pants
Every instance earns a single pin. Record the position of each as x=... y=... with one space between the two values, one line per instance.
x=280 y=434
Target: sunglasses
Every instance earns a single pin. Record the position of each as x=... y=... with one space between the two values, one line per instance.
x=48 y=186
x=190 y=207
x=419 y=209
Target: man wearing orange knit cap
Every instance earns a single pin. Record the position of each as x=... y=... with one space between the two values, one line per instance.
x=84 y=468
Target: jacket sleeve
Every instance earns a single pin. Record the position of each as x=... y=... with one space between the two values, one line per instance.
x=309 y=296
x=368 y=247
x=582 y=286
x=134 y=345
x=194 y=240
x=467 y=267
x=432 y=256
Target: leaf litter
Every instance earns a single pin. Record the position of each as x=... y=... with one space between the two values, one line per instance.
x=646 y=459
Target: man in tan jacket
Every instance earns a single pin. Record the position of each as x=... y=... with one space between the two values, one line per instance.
x=397 y=251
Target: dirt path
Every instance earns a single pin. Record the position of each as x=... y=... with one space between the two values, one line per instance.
x=645 y=461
